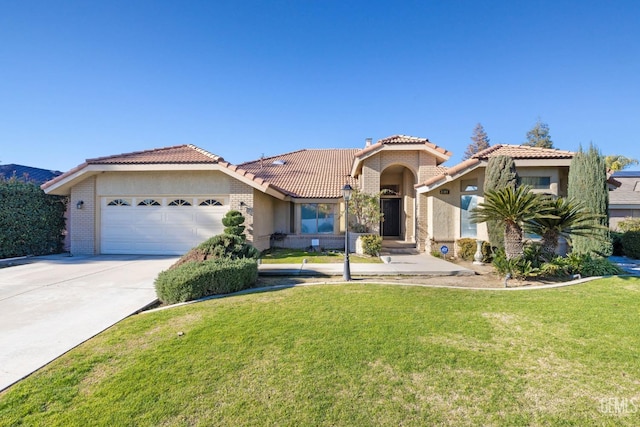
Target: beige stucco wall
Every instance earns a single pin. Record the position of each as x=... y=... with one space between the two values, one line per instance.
x=263 y=222
x=163 y=183
x=83 y=222
x=444 y=219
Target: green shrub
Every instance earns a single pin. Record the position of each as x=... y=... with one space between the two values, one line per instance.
x=228 y=246
x=519 y=268
x=616 y=242
x=232 y=222
x=220 y=246
x=629 y=224
x=466 y=248
x=585 y=265
x=371 y=244
x=487 y=252
x=31 y=222
x=195 y=280
x=631 y=244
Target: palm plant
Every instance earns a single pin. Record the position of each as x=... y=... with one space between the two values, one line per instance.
x=570 y=217
x=512 y=208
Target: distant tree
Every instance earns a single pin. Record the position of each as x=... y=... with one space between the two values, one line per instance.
x=617 y=162
x=539 y=136
x=588 y=183
x=480 y=141
x=500 y=173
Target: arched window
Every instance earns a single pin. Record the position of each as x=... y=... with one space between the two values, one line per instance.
x=119 y=202
x=210 y=202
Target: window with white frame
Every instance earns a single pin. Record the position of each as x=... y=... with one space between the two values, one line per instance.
x=536 y=182
x=468 y=202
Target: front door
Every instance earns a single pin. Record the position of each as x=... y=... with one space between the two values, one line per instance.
x=391 y=223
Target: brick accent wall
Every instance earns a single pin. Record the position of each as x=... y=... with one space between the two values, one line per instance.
x=82 y=222
x=242 y=193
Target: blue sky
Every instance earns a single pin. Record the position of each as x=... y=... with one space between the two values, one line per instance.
x=245 y=78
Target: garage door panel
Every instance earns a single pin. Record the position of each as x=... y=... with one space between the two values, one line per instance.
x=157 y=230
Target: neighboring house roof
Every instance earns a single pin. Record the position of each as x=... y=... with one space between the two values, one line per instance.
x=627 y=194
x=310 y=173
x=520 y=153
x=399 y=142
x=177 y=157
x=27 y=173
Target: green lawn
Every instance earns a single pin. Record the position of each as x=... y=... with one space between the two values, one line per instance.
x=352 y=355
x=296 y=256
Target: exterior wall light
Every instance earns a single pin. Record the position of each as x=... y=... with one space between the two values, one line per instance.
x=80 y=204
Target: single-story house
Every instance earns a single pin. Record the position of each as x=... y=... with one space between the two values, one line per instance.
x=624 y=197
x=167 y=200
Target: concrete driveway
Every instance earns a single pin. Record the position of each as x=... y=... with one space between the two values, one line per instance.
x=54 y=303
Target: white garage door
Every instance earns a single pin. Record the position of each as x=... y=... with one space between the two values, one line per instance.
x=159 y=225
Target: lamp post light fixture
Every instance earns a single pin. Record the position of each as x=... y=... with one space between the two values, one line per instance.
x=346 y=194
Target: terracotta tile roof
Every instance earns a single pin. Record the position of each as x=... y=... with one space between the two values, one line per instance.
x=517 y=152
x=176 y=154
x=402 y=139
x=311 y=173
x=523 y=152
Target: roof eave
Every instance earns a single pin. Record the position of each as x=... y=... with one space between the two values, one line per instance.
x=379 y=147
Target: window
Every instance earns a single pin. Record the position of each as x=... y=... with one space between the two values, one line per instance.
x=119 y=202
x=536 y=182
x=179 y=202
x=317 y=218
x=149 y=202
x=468 y=228
x=468 y=185
x=210 y=202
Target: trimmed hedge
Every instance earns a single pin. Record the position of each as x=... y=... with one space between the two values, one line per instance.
x=31 y=222
x=631 y=244
x=195 y=280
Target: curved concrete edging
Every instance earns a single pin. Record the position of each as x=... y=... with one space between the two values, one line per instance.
x=279 y=287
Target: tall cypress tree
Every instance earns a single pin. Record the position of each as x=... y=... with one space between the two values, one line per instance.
x=588 y=183
x=500 y=173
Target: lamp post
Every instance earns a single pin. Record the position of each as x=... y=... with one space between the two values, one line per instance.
x=346 y=194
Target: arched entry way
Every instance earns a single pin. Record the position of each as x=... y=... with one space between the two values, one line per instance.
x=397 y=203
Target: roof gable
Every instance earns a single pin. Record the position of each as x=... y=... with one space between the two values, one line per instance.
x=170 y=158
x=516 y=152
x=177 y=154
x=522 y=152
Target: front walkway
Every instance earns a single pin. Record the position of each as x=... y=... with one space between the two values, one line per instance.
x=400 y=265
